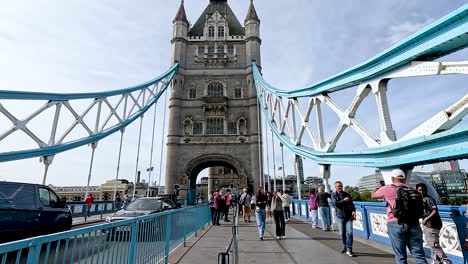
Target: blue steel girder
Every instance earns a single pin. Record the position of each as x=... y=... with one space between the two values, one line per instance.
x=410 y=57
x=447 y=35
x=133 y=102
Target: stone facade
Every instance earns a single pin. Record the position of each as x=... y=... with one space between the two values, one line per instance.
x=213 y=105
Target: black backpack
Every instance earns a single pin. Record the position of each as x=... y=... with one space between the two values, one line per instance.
x=409 y=206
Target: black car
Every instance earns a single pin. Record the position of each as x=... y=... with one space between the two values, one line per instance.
x=31 y=209
x=139 y=207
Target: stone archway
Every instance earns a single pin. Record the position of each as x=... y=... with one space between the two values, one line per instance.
x=196 y=165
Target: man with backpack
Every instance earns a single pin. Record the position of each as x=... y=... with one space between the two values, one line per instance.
x=404 y=209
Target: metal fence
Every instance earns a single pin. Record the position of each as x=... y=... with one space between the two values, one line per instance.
x=80 y=209
x=232 y=249
x=146 y=239
x=371 y=223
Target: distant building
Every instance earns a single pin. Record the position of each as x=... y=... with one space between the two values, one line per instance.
x=202 y=187
x=77 y=193
x=370 y=182
x=448 y=183
x=452 y=165
x=314 y=182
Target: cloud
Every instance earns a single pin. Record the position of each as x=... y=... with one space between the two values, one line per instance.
x=401 y=31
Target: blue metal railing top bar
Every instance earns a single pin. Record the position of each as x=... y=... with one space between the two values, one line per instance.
x=18 y=95
x=445 y=36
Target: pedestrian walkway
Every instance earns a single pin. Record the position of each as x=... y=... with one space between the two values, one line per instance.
x=303 y=245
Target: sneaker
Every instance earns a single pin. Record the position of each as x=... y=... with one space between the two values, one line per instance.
x=278 y=237
x=250 y=221
x=261 y=238
x=350 y=253
x=344 y=251
x=284 y=237
x=314 y=227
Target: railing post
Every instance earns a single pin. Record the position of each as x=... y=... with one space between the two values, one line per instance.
x=34 y=253
x=133 y=240
x=168 y=238
x=185 y=227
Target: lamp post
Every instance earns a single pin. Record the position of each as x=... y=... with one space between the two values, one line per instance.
x=149 y=170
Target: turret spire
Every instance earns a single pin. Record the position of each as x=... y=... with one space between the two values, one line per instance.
x=252 y=13
x=181 y=16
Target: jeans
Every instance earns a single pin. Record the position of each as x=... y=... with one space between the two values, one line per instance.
x=314 y=218
x=346 y=231
x=260 y=216
x=287 y=213
x=226 y=213
x=213 y=214
x=325 y=215
x=88 y=209
x=218 y=215
x=279 y=222
x=406 y=235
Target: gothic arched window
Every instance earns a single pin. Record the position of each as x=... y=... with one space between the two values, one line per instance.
x=221 y=32
x=215 y=89
x=211 y=31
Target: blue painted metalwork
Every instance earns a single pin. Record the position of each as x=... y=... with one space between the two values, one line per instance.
x=452 y=144
x=54 y=149
x=445 y=36
x=367 y=208
x=15 y=95
x=146 y=239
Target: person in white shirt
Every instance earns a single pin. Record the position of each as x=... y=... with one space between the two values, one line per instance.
x=287 y=206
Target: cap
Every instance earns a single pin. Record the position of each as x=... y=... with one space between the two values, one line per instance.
x=399 y=174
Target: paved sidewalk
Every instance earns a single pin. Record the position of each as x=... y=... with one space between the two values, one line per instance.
x=297 y=248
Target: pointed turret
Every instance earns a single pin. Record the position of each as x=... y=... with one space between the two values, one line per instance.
x=181 y=16
x=252 y=34
x=252 y=14
x=180 y=26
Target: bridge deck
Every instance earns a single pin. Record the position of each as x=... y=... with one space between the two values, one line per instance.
x=303 y=245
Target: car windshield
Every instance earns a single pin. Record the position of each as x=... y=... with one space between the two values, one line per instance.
x=145 y=205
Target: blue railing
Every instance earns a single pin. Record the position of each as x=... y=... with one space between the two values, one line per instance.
x=146 y=239
x=371 y=223
x=79 y=209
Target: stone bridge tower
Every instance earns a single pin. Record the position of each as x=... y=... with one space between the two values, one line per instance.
x=213 y=104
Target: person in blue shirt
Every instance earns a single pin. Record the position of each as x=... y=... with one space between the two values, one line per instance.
x=345 y=214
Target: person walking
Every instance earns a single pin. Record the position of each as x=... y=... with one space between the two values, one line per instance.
x=217 y=205
x=245 y=202
x=89 y=203
x=286 y=206
x=260 y=213
x=324 y=208
x=278 y=214
x=212 y=207
x=345 y=214
x=313 y=208
x=432 y=223
x=227 y=199
x=268 y=210
x=402 y=232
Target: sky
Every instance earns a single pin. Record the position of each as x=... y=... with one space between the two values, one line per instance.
x=67 y=46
